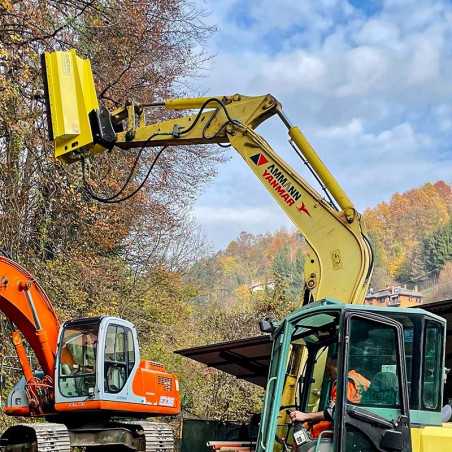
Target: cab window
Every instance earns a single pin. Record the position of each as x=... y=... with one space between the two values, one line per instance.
x=119 y=357
x=373 y=373
x=433 y=342
x=78 y=361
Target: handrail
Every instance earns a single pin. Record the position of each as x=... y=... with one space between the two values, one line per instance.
x=267 y=392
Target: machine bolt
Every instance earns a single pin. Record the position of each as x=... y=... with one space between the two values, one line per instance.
x=230 y=129
x=130 y=135
x=311 y=283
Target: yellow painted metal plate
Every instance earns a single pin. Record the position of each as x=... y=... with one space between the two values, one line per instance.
x=336 y=259
x=71 y=96
x=431 y=439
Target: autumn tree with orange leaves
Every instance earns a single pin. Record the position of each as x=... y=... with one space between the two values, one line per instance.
x=398 y=228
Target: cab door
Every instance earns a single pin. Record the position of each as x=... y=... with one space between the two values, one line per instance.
x=118 y=359
x=372 y=403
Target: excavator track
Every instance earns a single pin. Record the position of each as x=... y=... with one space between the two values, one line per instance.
x=158 y=435
x=37 y=437
x=50 y=437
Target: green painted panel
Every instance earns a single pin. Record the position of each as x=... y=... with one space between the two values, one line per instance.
x=425 y=417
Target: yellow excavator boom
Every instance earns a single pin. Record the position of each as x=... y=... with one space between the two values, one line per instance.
x=339 y=261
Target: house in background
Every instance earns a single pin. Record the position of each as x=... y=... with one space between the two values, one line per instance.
x=399 y=297
x=259 y=286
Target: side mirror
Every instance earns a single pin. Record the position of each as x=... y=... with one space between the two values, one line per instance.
x=268 y=325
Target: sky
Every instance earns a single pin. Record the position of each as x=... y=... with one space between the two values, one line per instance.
x=369 y=83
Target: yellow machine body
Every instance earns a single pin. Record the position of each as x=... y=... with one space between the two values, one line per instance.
x=432 y=438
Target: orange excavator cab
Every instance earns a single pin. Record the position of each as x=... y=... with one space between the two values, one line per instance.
x=98 y=368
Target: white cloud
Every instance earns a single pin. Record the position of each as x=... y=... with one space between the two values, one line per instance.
x=295 y=71
x=372 y=94
x=349 y=132
x=224 y=224
x=221 y=215
x=443 y=117
x=424 y=65
x=378 y=32
x=366 y=66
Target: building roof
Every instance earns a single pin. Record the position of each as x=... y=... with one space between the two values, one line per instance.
x=389 y=291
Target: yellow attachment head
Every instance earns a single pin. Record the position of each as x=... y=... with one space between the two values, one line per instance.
x=71 y=96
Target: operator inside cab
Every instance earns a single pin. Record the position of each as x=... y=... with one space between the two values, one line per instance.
x=320 y=421
x=370 y=365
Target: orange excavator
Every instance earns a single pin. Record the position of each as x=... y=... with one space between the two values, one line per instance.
x=91 y=378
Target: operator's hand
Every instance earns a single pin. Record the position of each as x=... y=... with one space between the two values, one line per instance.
x=299 y=416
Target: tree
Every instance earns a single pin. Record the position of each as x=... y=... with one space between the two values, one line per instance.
x=290 y=271
x=46 y=215
x=398 y=226
x=444 y=291
x=437 y=250
x=297 y=285
x=282 y=266
x=92 y=258
x=381 y=279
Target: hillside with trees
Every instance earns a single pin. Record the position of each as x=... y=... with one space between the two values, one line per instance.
x=412 y=238
x=256 y=276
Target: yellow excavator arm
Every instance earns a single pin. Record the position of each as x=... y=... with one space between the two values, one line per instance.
x=339 y=261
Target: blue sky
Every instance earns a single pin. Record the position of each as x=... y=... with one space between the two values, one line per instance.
x=368 y=82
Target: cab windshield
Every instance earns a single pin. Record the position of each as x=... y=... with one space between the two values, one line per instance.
x=302 y=381
x=78 y=360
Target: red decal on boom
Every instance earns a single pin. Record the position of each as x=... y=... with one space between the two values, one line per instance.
x=259 y=159
x=303 y=208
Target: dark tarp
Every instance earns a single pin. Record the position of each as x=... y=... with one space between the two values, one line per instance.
x=248 y=359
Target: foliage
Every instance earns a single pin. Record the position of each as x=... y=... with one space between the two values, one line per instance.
x=437 y=249
x=444 y=283
x=235 y=289
x=123 y=259
x=397 y=229
x=290 y=270
x=46 y=213
x=431 y=256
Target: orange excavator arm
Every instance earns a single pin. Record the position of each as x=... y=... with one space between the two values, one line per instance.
x=27 y=306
